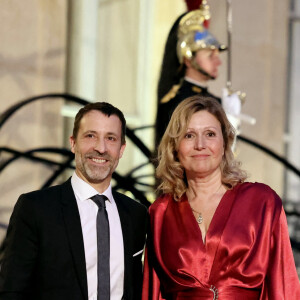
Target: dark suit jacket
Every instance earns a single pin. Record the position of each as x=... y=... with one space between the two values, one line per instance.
x=44 y=253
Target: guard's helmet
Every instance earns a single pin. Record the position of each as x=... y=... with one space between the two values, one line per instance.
x=193 y=36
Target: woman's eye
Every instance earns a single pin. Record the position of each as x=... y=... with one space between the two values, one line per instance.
x=211 y=134
x=188 y=136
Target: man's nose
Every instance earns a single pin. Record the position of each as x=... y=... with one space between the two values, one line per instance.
x=100 y=145
x=218 y=61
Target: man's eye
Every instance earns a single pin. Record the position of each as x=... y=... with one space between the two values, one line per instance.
x=111 y=138
x=90 y=135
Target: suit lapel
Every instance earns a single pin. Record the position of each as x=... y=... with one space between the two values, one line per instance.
x=127 y=239
x=74 y=232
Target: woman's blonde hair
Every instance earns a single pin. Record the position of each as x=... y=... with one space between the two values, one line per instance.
x=170 y=171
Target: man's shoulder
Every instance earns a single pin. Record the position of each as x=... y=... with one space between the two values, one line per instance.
x=208 y=94
x=52 y=192
x=127 y=201
x=42 y=202
x=51 y=189
x=189 y=89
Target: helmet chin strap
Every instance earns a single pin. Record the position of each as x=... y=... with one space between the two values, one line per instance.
x=199 y=69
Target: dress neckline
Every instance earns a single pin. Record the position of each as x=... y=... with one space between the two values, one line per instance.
x=218 y=221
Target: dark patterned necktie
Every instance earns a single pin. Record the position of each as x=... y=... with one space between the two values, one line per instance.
x=103 y=248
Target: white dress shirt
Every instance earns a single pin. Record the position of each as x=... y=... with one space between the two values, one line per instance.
x=88 y=213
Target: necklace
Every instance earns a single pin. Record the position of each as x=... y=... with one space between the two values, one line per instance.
x=199 y=219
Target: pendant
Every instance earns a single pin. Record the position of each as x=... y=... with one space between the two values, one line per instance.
x=200 y=219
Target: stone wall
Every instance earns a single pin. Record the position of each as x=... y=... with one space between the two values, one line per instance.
x=32 y=62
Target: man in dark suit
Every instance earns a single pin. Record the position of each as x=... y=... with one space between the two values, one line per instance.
x=51 y=250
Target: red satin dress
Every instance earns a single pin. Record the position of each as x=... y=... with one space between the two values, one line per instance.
x=246 y=255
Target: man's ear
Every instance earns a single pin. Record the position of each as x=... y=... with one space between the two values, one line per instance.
x=187 y=62
x=122 y=150
x=72 y=144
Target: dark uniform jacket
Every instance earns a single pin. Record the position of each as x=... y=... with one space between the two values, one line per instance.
x=168 y=104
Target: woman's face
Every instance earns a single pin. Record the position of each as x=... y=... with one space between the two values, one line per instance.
x=201 y=149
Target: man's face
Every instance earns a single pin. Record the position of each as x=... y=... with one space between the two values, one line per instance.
x=97 y=148
x=209 y=61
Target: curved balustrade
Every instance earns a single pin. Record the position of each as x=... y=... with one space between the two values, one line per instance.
x=128 y=182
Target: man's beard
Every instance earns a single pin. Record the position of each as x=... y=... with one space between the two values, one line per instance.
x=91 y=172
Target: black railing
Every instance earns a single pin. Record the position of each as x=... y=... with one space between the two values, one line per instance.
x=129 y=181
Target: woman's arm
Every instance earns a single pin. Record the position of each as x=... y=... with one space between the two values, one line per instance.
x=281 y=280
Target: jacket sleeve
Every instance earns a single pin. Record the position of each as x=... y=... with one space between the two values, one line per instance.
x=20 y=253
x=281 y=279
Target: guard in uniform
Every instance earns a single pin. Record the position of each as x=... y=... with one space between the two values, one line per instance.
x=191 y=59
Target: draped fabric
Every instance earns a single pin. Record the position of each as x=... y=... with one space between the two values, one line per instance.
x=246 y=254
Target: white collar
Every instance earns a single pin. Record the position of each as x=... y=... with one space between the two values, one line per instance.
x=85 y=191
x=195 y=82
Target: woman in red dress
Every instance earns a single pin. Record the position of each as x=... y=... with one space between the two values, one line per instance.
x=213 y=235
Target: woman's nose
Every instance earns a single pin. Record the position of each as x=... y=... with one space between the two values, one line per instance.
x=199 y=143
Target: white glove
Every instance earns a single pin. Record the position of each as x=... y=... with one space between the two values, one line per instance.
x=232 y=105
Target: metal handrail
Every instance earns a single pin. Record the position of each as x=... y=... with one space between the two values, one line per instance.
x=126 y=182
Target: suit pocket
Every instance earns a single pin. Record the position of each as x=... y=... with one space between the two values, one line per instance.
x=138 y=253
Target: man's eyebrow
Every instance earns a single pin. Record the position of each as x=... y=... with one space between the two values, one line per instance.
x=114 y=134
x=95 y=132
x=90 y=131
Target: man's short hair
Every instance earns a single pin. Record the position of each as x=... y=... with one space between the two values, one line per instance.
x=105 y=108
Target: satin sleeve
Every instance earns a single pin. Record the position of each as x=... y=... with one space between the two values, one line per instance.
x=281 y=280
x=151 y=283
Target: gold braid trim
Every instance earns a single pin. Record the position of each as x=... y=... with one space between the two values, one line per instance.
x=171 y=94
